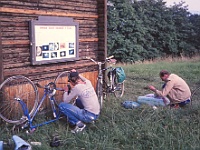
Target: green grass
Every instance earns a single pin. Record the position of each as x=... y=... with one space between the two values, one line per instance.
x=140 y=129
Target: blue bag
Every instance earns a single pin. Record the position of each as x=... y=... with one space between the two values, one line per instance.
x=1 y=145
x=130 y=104
x=120 y=74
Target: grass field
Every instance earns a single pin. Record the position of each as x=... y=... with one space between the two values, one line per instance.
x=141 y=128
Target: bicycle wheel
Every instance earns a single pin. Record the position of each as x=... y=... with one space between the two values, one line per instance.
x=118 y=87
x=99 y=91
x=17 y=87
x=61 y=81
x=195 y=97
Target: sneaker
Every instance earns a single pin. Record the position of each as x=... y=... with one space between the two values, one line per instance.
x=79 y=127
x=176 y=106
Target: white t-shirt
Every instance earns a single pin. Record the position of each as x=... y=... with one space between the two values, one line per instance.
x=86 y=94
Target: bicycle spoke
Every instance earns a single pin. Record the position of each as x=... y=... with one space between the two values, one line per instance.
x=119 y=90
x=17 y=87
x=61 y=81
x=100 y=93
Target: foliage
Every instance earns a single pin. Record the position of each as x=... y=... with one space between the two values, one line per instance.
x=147 y=29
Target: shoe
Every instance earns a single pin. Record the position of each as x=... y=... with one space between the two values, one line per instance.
x=79 y=127
x=176 y=106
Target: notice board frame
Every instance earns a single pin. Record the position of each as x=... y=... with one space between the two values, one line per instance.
x=53 y=40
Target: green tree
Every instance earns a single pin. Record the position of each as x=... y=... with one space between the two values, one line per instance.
x=184 y=28
x=146 y=29
x=195 y=36
x=124 y=31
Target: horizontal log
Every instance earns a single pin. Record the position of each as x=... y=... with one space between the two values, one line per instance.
x=45 y=12
x=15 y=34
x=13 y=29
x=55 y=4
x=20 y=22
x=83 y=46
x=14 y=42
x=18 y=58
x=24 y=35
x=24 y=42
x=89 y=40
x=30 y=70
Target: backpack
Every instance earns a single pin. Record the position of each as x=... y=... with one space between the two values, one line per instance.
x=120 y=74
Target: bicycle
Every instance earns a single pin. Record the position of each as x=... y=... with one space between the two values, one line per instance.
x=61 y=81
x=111 y=85
x=19 y=102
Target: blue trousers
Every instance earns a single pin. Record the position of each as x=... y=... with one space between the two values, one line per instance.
x=76 y=113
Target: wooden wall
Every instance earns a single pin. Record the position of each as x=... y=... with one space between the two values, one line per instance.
x=15 y=43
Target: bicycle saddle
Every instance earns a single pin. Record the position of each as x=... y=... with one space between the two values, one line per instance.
x=20 y=144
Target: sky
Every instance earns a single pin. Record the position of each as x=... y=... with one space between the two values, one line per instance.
x=193 y=5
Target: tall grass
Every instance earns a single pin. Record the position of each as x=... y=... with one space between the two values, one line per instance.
x=141 y=128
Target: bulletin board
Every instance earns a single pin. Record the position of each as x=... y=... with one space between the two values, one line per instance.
x=53 y=39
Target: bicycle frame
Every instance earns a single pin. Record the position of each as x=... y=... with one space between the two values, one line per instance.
x=104 y=87
x=56 y=114
x=100 y=73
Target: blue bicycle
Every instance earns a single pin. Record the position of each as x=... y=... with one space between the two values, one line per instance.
x=19 y=101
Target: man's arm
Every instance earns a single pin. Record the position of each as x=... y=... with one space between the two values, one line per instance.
x=165 y=91
x=82 y=78
x=162 y=94
x=67 y=97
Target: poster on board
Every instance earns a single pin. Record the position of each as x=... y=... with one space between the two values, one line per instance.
x=54 y=41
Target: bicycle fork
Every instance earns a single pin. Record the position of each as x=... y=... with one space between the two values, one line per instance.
x=24 y=109
x=29 y=119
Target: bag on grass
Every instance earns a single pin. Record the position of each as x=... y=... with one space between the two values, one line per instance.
x=120 y=74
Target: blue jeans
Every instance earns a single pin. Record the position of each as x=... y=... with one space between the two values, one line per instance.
x=75 y=114
x=181 y=104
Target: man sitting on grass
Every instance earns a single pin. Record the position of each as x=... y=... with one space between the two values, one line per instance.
x=175 y=91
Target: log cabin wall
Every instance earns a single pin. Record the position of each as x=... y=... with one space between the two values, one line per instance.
x=15 y=44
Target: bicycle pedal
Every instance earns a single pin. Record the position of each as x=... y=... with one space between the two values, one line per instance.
x=31 y=131
x=25 y=125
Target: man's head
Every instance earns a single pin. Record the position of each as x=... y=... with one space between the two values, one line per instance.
x=73 y=77
x=164 y=74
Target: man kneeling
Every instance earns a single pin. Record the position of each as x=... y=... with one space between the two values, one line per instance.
x=86 y=108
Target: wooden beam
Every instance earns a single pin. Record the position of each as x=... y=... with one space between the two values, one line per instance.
x=15 y=42
x=105 y=27
x=1 y=57
x=22 y=42
x=42 y=12
x=89 y=40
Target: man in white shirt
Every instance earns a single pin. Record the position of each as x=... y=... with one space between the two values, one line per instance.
x=87 y=107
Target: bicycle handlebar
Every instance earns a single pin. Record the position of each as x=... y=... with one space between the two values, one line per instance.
x=49 y=86
x=106 y=60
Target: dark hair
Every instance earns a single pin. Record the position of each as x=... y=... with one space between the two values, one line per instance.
x=163 y=73
x=73 y=77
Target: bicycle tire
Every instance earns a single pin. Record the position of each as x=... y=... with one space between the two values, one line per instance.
x=118 y=87
x=61 y=81
x=17 y=87
x=195 y=97
x=99 y=91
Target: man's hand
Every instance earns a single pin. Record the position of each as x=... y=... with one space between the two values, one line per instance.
x=66 y=89
x=152 y=88
x=73 y=70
